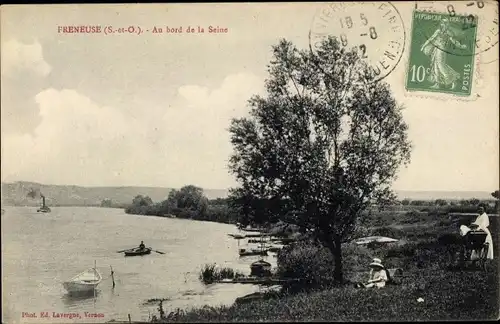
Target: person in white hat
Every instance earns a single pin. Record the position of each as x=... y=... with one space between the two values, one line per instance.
x=378 y=275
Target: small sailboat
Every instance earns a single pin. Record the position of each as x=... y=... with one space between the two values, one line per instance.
x=84 y=282
x=44 y=208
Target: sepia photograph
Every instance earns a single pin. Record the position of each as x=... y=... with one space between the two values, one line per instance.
x=250 y=162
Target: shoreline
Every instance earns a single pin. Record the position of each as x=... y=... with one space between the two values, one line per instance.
x=428 y=290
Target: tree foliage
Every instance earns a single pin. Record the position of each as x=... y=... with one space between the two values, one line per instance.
x=141 y=200
x=106 y=202
x=320 y=146
x=190 y=197
x=440 y=202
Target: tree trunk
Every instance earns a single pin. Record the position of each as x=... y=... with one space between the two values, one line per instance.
x=337 y=271
x=335 y=247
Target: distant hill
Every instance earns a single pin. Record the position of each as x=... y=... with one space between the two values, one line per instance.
x=15 y=194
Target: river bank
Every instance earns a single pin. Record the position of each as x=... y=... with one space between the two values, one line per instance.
x=464 y=296
x=429 y=289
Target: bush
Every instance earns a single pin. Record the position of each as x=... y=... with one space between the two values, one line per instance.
x=306 y=261
x=357 y=258
x=400 y=251
x=413 y=217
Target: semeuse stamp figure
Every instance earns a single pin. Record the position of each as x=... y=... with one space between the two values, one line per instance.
x=442 y=53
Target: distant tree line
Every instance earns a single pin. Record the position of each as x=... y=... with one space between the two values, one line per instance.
x=188 y=202
x=443 y=202
x=457 y=206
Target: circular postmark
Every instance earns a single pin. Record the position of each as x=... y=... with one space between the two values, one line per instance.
x=470 y=27
x=376 y=29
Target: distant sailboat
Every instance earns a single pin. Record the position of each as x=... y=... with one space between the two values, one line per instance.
x=44 y=208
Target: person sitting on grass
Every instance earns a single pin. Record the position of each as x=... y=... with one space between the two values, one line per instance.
x=378 y=275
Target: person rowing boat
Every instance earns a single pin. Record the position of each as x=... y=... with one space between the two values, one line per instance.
x=142 y=246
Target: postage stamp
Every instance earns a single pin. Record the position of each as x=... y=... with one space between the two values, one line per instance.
x=441 y=57
x=376 y=29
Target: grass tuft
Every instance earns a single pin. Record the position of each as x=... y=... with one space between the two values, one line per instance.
x=210 y=273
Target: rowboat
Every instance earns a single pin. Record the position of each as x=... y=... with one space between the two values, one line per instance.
x=237 y=236
x=137 y=252
x=244 y=252
x=84 y=282
x=260 y=268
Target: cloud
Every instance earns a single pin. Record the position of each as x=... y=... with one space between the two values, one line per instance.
x=17 y=56
x=77 y=140
x=215 y=108
x=199 y=123
x=81 y=142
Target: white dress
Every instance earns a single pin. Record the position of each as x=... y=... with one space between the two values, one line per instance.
x=377 y=275
x=483 y=222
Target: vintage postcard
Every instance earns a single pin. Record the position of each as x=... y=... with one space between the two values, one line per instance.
x=250 y=162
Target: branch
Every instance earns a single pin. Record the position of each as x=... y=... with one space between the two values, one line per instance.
x=294 y=84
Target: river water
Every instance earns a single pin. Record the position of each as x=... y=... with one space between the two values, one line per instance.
x=40 y=251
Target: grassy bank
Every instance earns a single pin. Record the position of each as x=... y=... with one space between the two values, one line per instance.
x=468 y=295
x=424 y=252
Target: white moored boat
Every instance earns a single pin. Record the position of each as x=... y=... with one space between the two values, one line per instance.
x=84 y=282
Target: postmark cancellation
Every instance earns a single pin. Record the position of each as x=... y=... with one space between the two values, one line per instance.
x=376 y=29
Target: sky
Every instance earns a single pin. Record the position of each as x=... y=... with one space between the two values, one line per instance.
x=154 y=109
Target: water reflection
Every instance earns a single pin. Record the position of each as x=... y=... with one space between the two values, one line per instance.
x=76 y=299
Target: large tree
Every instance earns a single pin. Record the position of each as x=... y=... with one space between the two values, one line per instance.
x=187 y=198
x=141 y=200
x=191 y=197
x=323 y=143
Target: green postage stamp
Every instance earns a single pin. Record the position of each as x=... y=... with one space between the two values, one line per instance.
x=442 y=53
